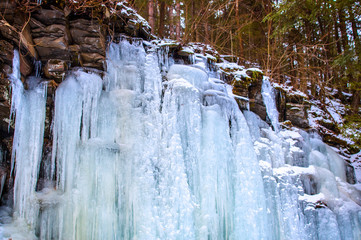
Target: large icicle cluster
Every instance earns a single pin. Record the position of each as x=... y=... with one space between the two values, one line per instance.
x=135 y=157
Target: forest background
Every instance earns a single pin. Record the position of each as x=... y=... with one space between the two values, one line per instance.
x=312 y=45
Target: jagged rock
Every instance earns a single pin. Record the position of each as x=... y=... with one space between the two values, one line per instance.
x=55 y=69
x=6 y=56
x=89 y=48
x=297 y=114
x=88 y=34
x=350 y=174
x=50 y=34
x=51 y=42
x=256 y=104
x=91 y=27
x=47 y=53
x=292 y=107
x=241 y=84
x=94 y=60
x=7 y=49
x=26 y=67
x=329 y=125
x=132 y=28
x=281 y=102
x=54 y=31
x=4 y=104
x=9 y=32
x=254 y=74
x=49 y=16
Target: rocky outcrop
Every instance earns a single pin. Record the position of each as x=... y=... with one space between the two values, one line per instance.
x=292 y=107
x=52 y=39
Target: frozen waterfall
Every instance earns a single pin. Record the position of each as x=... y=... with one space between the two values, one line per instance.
x=138 y=157
x=270 y=103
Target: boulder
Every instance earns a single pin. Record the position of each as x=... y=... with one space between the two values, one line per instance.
x=47 y=53
x=89 y=45
x=55 y=69
x=49 y=16
x=93 y=60
x=51 y=42
x=86 y=28
x=256 y=104
x=53 y=31
x=297 y=114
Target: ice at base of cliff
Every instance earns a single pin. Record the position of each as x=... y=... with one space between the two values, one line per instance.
x=137 y=158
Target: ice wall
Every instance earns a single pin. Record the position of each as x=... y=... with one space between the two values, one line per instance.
x=135 y=157
x=270 y=103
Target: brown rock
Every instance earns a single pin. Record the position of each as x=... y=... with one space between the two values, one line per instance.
x=9 y=32
x=25 y=66
x=88 y=36
x=4 y=116
x=55 y=69
x=49 y=16
x=7 y=69
x=51 y=42
x=255 y=75
x=6 y=52
x=4 y=90
x=34 y=24
x=27 y=41
x=297 y=114
x=132 y=28
x=47 y=53
x=87 y=27
x=55 y=31
x=94 y=60
x=256 y=104
x=74 y=48
x=92 y=57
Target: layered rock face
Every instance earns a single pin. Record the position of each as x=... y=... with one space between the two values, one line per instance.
x=53 y=39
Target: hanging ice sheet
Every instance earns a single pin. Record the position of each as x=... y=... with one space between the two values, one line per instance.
x=137 y=158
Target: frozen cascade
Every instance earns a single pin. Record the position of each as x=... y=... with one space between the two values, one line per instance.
x=137 y=158
x=305 y=185
x=29 y=108
x=270 y=103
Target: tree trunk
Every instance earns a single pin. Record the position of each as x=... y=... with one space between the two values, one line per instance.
x=170 y=21
x=178 y=26
x=355 y=104
x=337 y=37
x=343 y=30
x=239 y=35
x=355 y=32
x=162 y=11
x=151 y=15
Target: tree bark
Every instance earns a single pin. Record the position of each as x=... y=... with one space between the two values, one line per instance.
x=151 y=15
x=341 y=16
x=162 y=11
x=355 y=104
x=178 y=26
x=170 y=21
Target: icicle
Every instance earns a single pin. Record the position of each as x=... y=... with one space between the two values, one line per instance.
x=270 y=102
x=38 y=68
x=29 y=109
